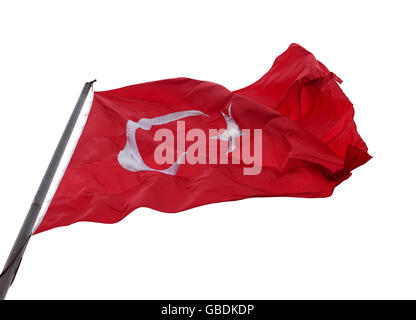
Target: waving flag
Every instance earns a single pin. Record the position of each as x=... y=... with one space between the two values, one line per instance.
x=179 y=143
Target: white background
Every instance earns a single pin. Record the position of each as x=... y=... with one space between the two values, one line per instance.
x=359 y=243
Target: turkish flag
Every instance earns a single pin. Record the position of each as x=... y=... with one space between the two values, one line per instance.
x=175 y=144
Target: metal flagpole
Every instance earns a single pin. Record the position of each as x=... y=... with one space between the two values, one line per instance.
x=15 y=256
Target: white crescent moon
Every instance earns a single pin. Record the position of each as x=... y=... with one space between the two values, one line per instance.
x=130 y=158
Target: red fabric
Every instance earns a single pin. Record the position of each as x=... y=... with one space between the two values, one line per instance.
x=310 y=144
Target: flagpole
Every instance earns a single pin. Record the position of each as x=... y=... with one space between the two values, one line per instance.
x=13 y=261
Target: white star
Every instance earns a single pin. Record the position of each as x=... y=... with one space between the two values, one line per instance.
x=233 y=131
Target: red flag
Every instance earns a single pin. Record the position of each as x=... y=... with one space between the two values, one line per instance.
x=175 y=144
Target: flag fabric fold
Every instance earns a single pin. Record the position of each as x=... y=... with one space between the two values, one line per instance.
x=295 y=119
